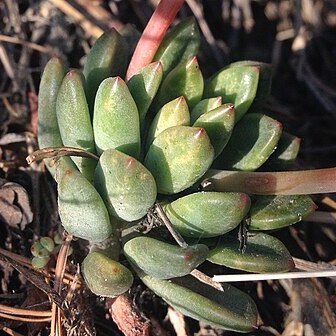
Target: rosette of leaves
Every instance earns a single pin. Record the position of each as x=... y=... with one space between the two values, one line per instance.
x=168 y=146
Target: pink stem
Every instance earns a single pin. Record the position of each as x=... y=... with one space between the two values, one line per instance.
x=315 y=181
x=153 y=34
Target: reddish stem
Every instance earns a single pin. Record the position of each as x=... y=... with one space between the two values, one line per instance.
x=315 y=181
x=153 y=34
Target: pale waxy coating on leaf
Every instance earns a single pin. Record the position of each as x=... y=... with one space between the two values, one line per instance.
x=74 y=120
x=127 y=187
x=143 y=87
x=236 y=85
x=252 y=142
x=264 y=82
x=116 y=118
x=48 y=130
x=203 y=106
x=178 y=157
x=207 y=214
x=174 y=113
x=105 y=276
x=81 y=209
x=185 y=80
x=163 y=260
x=219 y=124
x=274 y=212
x=107 y=57
x=179 y=44
x=230 y=309
x=263 y=254
x=285 y=153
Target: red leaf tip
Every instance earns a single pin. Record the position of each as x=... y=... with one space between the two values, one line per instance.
x=72 y=73
x=181 y=100
x=130 y=162
x=193 y=62
x=200 y=132
x=244 y=199
x=219 y=100
x=157 y=66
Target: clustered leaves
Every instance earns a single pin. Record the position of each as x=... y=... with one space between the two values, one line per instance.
x=156 y=136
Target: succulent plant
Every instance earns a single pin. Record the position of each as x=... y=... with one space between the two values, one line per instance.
x=146 y=150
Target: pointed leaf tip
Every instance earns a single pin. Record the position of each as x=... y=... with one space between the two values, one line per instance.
x=245 y=199
x=71 y=73
x=193 y=61
x=157 y=66
x=181 y=100
x=117 y=81
x=200 y=132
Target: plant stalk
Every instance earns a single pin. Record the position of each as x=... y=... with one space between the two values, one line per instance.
x=315 y=181
x=153 y=34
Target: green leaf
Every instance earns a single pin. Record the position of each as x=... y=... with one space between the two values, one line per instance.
x=48 y=130
x=207 y=214
x=285 y=153
x=74 y=120
x=116 y=119
x=143 y=87
x=264 y=85
x=131 y=36
x=252 y=141
x=174 y=113
x=179 y=44
x=274 y=212
x=236 y=85
x=38 y=250
x=230 y=309
x=263 y=254
x=219 y=124
x=204 y=106
x=47 y=243
x=162 y=260
x=126 y=186
x=178 y=157
x=81 y=209
x=184 y=80
x=105 y=276
x=107 y=57
x=40 y=262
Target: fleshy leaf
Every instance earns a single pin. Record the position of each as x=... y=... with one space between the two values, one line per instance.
x=178 y=157
x=236 y=85
x=174 y=113
x=163 y=260
x=131 y=36
x=116 y=119
x=143 y=87
x=105 y=276
x=48 y=130
x=107 y=57
x=219 y=124
x=274 y=212
x=74 y=120
x=264 y=85
x=81 y=209
x=126 y=186
x=285 y=153
x=179 y=44
x=184 y=80
x=252 y=141
x=207 y=214
x=203 y=106
x=230 y=309
x=263 y=254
